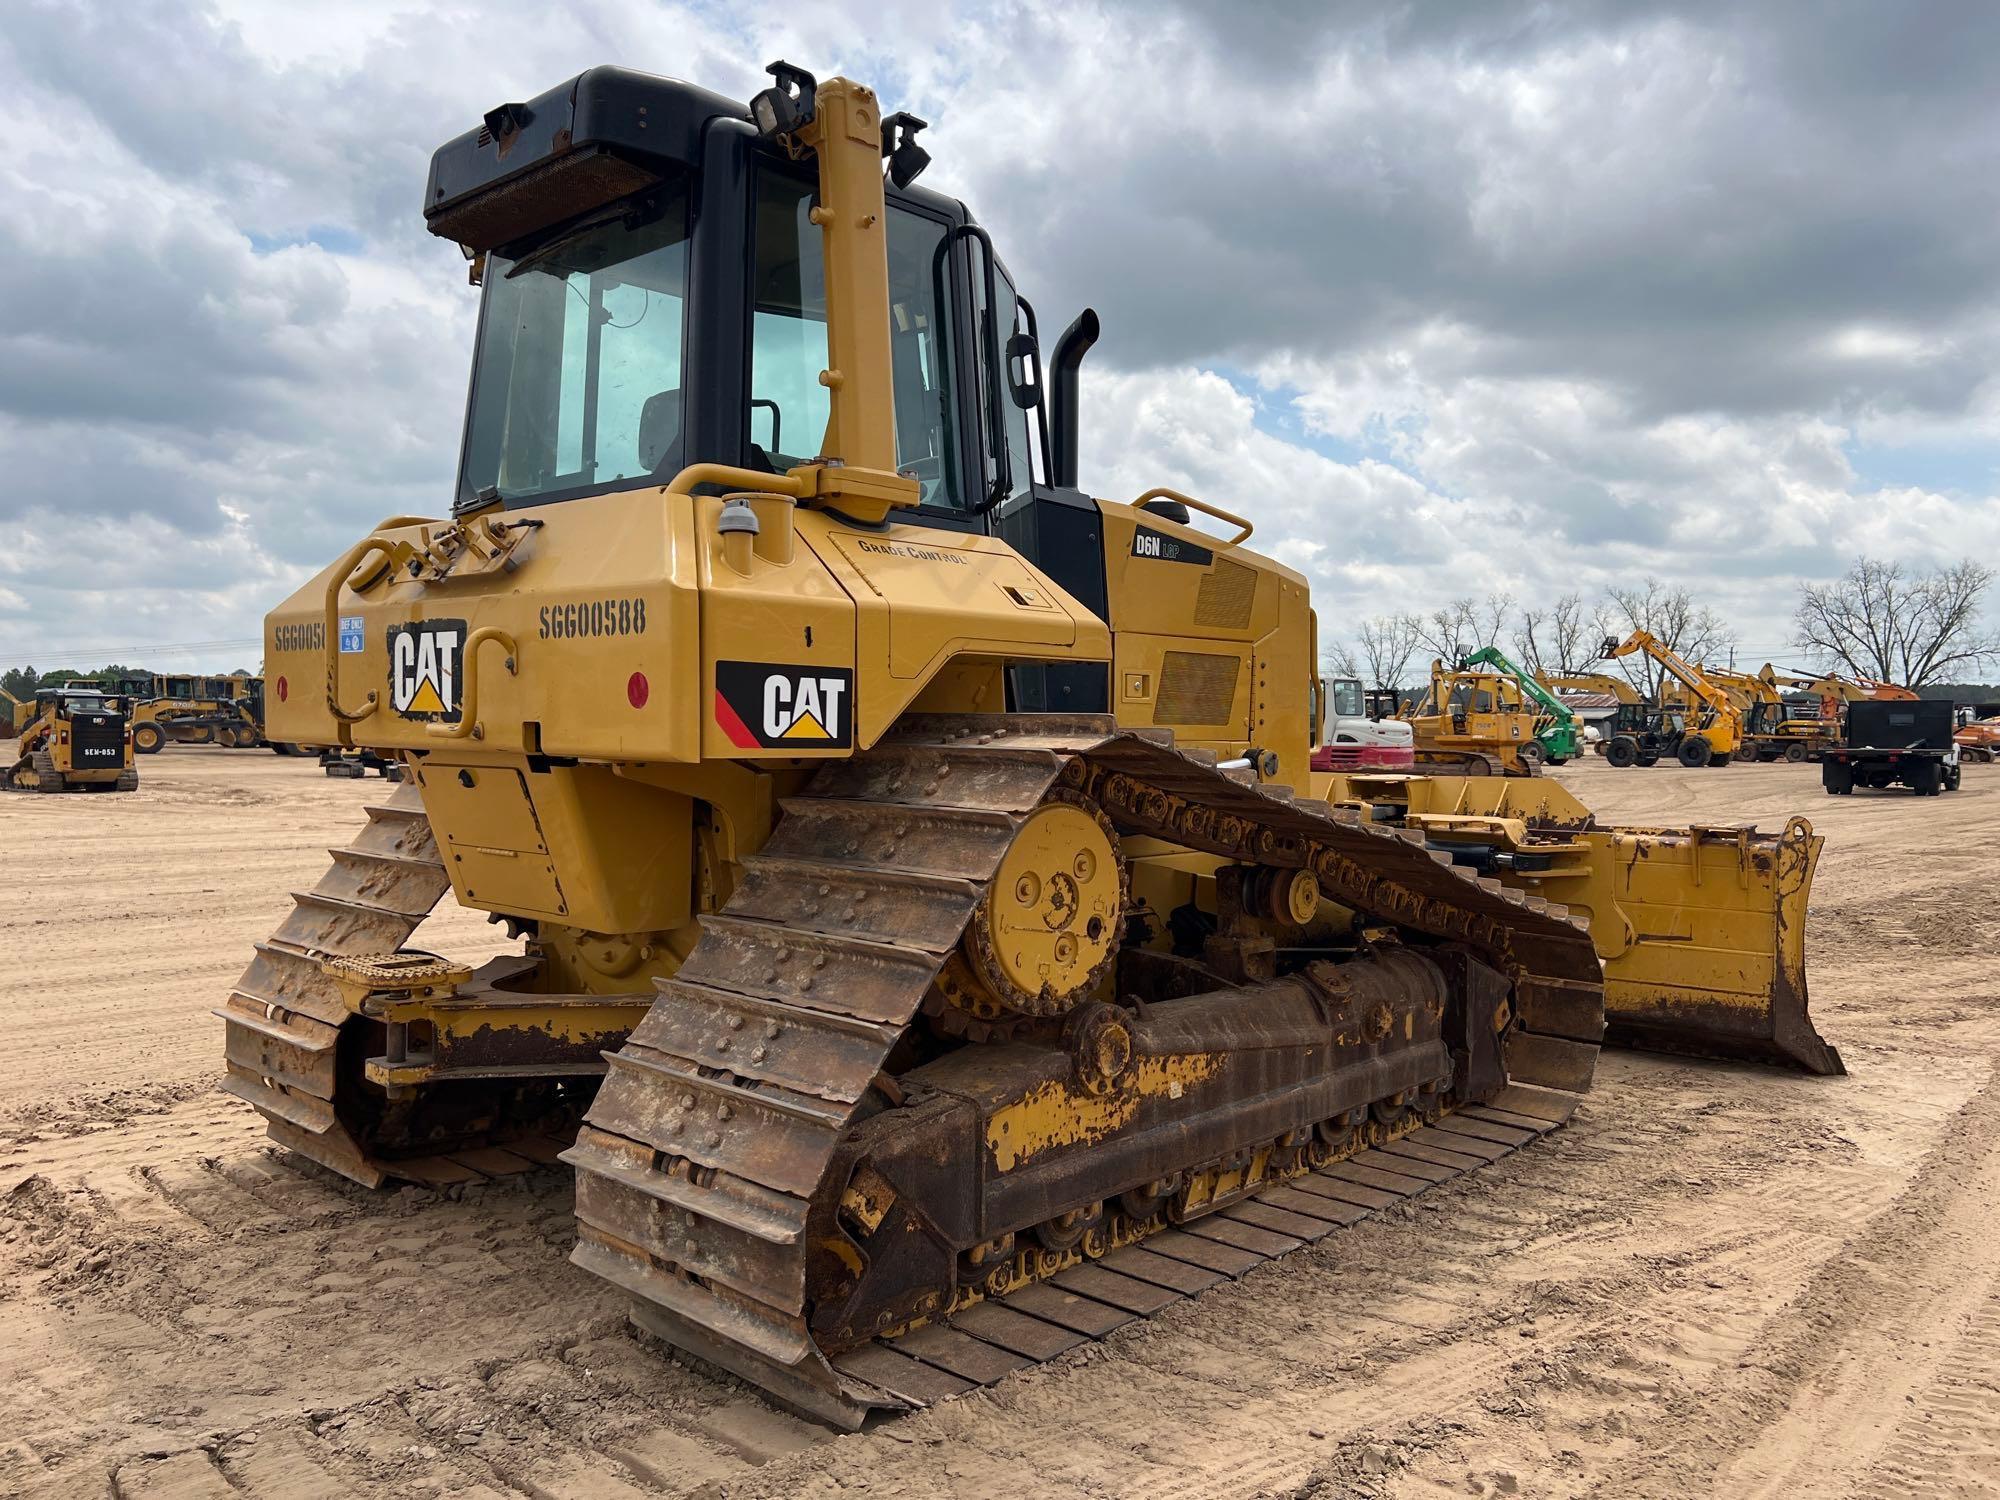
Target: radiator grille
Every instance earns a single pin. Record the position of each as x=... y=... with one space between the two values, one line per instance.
x=1196 y=688
x=1226 y=597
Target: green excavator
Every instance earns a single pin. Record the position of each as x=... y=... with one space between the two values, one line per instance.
x=1560 y=733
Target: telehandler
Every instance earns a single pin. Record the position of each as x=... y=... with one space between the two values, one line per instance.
x=934 y=950
x=1703 y=728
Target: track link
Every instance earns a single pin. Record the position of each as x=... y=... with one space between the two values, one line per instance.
x=984 y=1341
x=703 y=1159
x=284 y=1019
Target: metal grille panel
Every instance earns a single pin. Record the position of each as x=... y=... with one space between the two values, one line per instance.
x=1226 y=597
x=1196 y=687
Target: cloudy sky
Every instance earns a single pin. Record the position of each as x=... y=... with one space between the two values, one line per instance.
x=1449 y=299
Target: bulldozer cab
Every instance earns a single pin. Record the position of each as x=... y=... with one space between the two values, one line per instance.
x=657 y=296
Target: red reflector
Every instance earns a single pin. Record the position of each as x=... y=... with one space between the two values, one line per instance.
x=284 y=690
x=637 y=689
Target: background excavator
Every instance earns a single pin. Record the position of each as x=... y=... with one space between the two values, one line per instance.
x=1771 y=731
x=1360 y=730
x=935 y=947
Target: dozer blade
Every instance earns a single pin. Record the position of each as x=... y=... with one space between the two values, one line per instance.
x=1701 y=929
x=1703 y=941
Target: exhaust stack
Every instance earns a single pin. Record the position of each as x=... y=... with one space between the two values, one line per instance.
x=1069 y=352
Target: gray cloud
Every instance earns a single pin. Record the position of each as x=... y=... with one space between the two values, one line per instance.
x=1603 y=288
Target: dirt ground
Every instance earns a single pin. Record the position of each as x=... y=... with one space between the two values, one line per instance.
x=1716 y=1281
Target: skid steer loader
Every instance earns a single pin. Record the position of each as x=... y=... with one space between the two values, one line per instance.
x=932 y=951
x=70 y=739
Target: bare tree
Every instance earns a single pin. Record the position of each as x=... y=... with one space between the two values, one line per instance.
x=1337 y=659
x=1388 y=644
x=1882 y=622
x=1558 y=639
x=1463 y=626
x=1445 y=631
x=1671 y=616
x=1382 y=651
x=1490 y=619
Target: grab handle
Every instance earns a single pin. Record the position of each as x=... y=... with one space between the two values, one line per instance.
x=467 y=726
x=344 y=570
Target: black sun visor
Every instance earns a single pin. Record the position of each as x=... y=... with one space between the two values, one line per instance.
x=603 y=135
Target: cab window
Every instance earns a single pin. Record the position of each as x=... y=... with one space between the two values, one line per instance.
x=577 y=382
x=789 y=407
x=1008 y=321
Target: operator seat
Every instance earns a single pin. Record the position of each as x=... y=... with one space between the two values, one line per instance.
x=661 y=448
x=660 y=434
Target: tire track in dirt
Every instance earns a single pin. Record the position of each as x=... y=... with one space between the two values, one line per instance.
x=182 y=1311
x=1816 y=1397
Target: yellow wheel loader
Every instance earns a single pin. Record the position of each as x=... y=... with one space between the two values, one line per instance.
x=933 y=954
x=70 y=740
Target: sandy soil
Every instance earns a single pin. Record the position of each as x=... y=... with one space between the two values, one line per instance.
x=1717 y=1281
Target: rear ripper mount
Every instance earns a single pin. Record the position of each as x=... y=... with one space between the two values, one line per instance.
x=786 y=1168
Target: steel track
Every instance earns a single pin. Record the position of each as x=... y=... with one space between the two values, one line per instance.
x=707 y=1151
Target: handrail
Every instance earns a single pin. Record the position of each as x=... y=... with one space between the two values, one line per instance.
x=468 y=701
x=684 y=482
x=330 y=628
x=1161 y=492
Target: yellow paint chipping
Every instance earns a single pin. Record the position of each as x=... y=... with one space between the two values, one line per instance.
x=1063 y=1114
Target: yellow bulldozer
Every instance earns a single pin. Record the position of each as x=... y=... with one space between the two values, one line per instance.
x=69 y=739
x=1474 y=723
x=935 y=948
